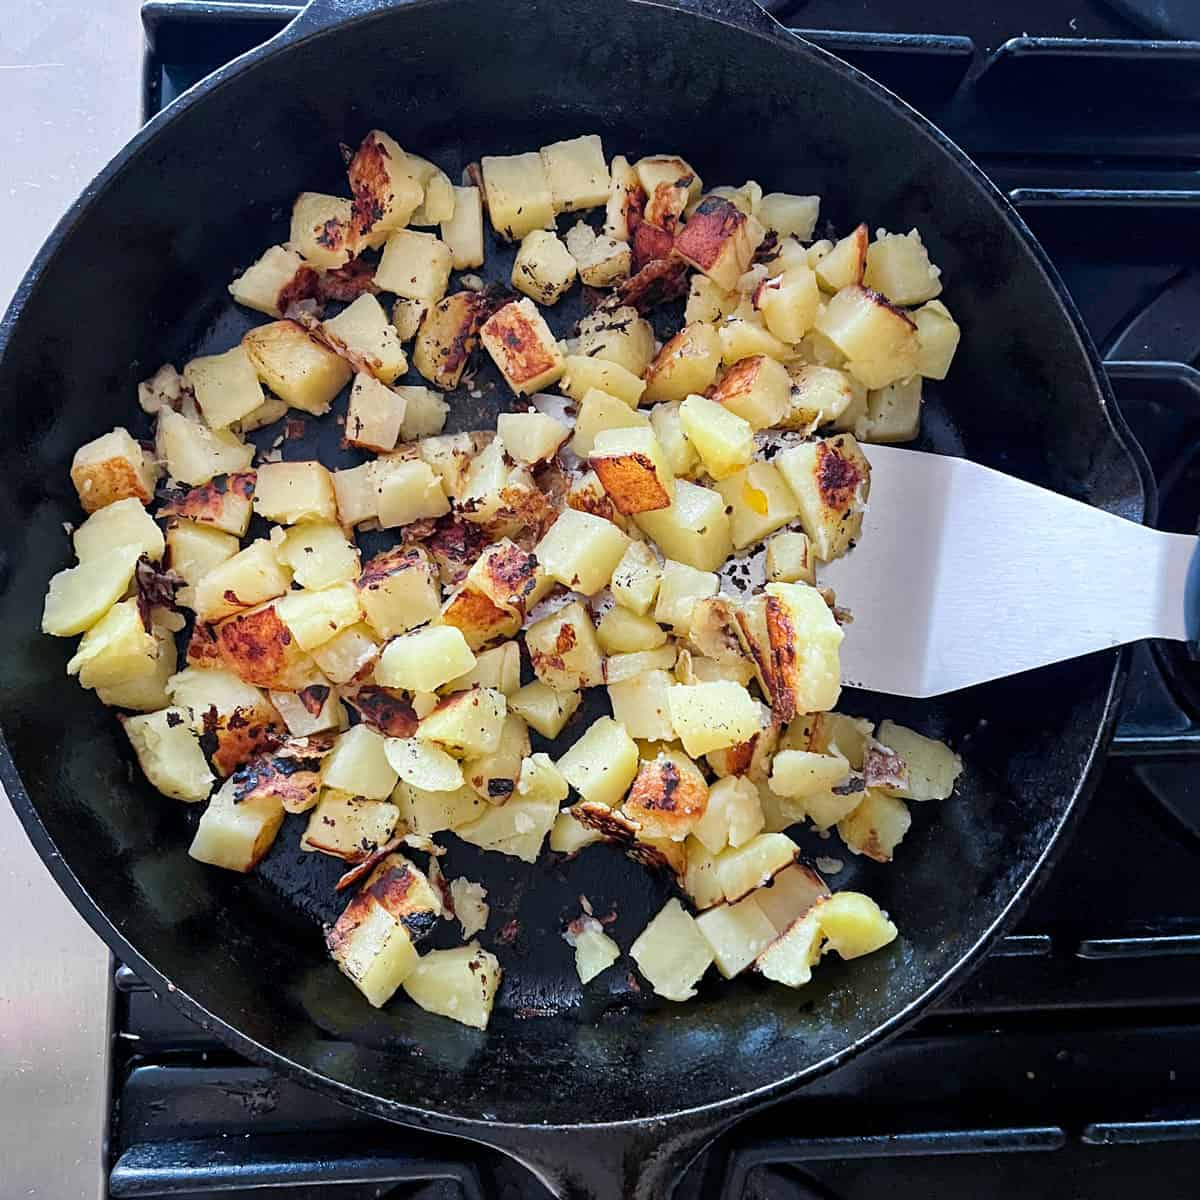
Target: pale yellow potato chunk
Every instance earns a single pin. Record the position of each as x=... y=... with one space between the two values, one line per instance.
x=358 y=764
x=364 y=332
x=122 y=523
x=314 y=616
x=636 y=578
x=225 y=385
x=672 y=953
x=602 y=764
x=296 y=367
x=117 y=649
x=599 y=411
x=546 y=709
x=425 y=659
x=686 y=364
x=758 y=502
x=292 y=492
x=581 y=551
x=736 y=933
x=711 y=716
x=236 y=834
x=543 y=269
x=790 y=559
x=463 y=232
x=319 y=554
x=79 y=596
x=168 y=752
x=640 y=705
x=460 y=984
x=681 y=589
x=193 y=453
x=467 y=724
x=724 y=441
x=583 y=374
x=415 y=265
x=577 y=173
x=519 y=197
x=694 y=530
x=898 y=266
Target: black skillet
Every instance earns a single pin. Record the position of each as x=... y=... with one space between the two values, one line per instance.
x=603 y=1092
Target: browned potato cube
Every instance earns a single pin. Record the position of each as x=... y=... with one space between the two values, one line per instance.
x=522 y=346
x=845 y=263
x=223 y=504
x=758 y=389
x=399 y=590
x=633 y=469
x=831 y=480
x=687 y=364
x=670 y=184
x=668 y=797
x=720 y=241
x=386 y=192
x=274 y=282
x=564 y=650
x=259 y=648
x=296 y=367
x=323 y=230
x=625 y=202
x=447 y=337
x=112 y=467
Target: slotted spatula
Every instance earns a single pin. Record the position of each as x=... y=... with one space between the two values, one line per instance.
x=964 y=574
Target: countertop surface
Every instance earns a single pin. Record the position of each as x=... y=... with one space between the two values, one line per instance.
x=69 y=91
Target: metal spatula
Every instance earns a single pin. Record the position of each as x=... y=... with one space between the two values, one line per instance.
x=964 y=574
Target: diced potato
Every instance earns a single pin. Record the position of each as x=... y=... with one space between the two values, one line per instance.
x=760 y=503
x=830 y=479
x=708 y=670
x=711 y=625
x=236 y=834
x=687 y=363
x=710 y=716
x=248 y=578
x=348 y=827
x=742 y=869
x=447 y=337
x=267 y=413
x=790 y=559
x=599 y=412
x=259 y=648
x=423 y=660
x=564 y=650
x=594 y=950
x=847 y=736
x=366 y=337
x=879 y=341
x=518 y=193
x=424 y=765
x=314 y=709
x=876 y=826
x=470 y=908
x=788 y=215
x=270 y=284
x=790 y=958
x=680 y=454
x=372 y=948
x=707 y=302
x=932 y=766
x=732 y=817
x=358 y=764
x=694 y=530
x=622 y=632
x=438 y=204
x=790 y=895
x=424 y=410
x=518 y=827
x=640 y=705
x=618 y=668
x=796 y=774
x=545 y=708
x=510 y=577
x=296 y=367
x=225 y=385
x=408 y=491
x=386 y=190
x=147 y=693
x=602 y=261
x=224 y=504
x=428 y=813
x=724 y=441
x=235 y=713
x=399 y=590
x=626 y=200
x=415 y=265
x=681 y=588
x=319 y=554
x=581 y=551
x=292 y=492
x=789 y=303
x=720 y=241
x=737 y=934
x=853 y=924
x=116 y=649
x=543 y=269
x=477 y=616
x=845 y=263
x=602 y=764
x=169 y=754
x=893 y=413
x=314 y=616
x=937 y=339
x=494 y=776
x=672 y=953
x=354 y=491
x=819 y=395
x=531 y=437
x=569 y=835
x=79 y=596
x=633 y=469
x=347 y=653
x=194 y=454
x=407 y=316
x=757 y=389
x=323 y=230
x=898 y=266
x=620 y=336
x=498 y=668
x=467 y=724
x=636 y=579
x=700 y=876
x=577 y=173
x=668 y=796
x=584 y=374
x=460 y=984
x=522 y=347
x=463 y=232
x=741 y=338
x=450 y=456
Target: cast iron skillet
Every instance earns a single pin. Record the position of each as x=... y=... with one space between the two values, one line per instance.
x=605 y=1093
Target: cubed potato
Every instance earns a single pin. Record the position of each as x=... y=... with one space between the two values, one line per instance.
x=618 y=668
x=450 y=456
x=486 y=476
x=460 y=984
x=671 y=953
x=225 y=385
x=790 y=958
x=789 y=303
x=719 y=240
x=737 y=934
x=710 y=716
x=626 y=201
x=293 y=492
x=323 y=230
x=619 y=336
x=248 y=578
x=319 y=554
x=372 y=948
x=267 y=413
x=233 y=712
x=707 y=302
x=602 y=764
x=757 y=389
x=796 y=774
x=115 y=649
x=843 y=266
x=259 y=648
x=236 y=834
x=569 y=835
x=830 y=479
x=853 y=924
x=879 y=341
x=876 y=826
x=447 y=337
x=577 y=173
x=633 y=469
x=463 y=232
x=636 y=578
x=314 y=709
x=668 y=428
x=742 y=338
x=687 y=363
x=314 y=616
x=932 y=766
x=364 y=335
x=423 y=660
x=347 y=654
x=224 y=504
x=600 y=411
x=354 y=491
x=847 y=736
x=477 y=616
x=296 y=367
x=348 y=827
x=522 y=347
x=898 y=266
x=386 y=190
x=518 y=193
x=399 y=590
x=681 y=588
x=790 y=895
x=358 y=764
x=424 y=765
x=640 y=705
x=194 y=454
x=509 y=576
x=742 y=869
x=438 y=203
x=494 y=776
x=408 y=491
x=272 y=283
x=700 y=876
x=564 y=651
x=587 y=494
x=543 y=269
x=668 y=796
x=168 y=752
x=584 y=374
x=466 y=724
x=531 y=437
x=790 y=559
x=893 y=414
x=415 y=265
x=694 y=530
x=424 y=411
x=711 y=623
x=937 y=339
x=758 y=502
x=498 y=668
x=518 y=825
x=788 y=215
x=544 y=708
x=670 y=184
x=146 y=693
x=723 y=440
x=708 y=670
x=581 y=551
x=428 y=813
x=732 y=816
x=602 y=261
x=623 y=632
x=819 y=395
x=594 y=950
x=122 y=523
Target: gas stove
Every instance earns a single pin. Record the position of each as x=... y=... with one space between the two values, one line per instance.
x=1069 y=1065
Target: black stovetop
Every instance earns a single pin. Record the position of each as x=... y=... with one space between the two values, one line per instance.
x=1069 y=1065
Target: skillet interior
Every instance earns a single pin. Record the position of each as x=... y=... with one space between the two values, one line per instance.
x=136 y=277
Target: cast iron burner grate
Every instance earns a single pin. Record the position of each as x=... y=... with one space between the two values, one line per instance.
x=1069 y=1065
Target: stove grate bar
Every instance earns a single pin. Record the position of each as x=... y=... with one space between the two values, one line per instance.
x=1170 y=945
x=1140 y=1133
